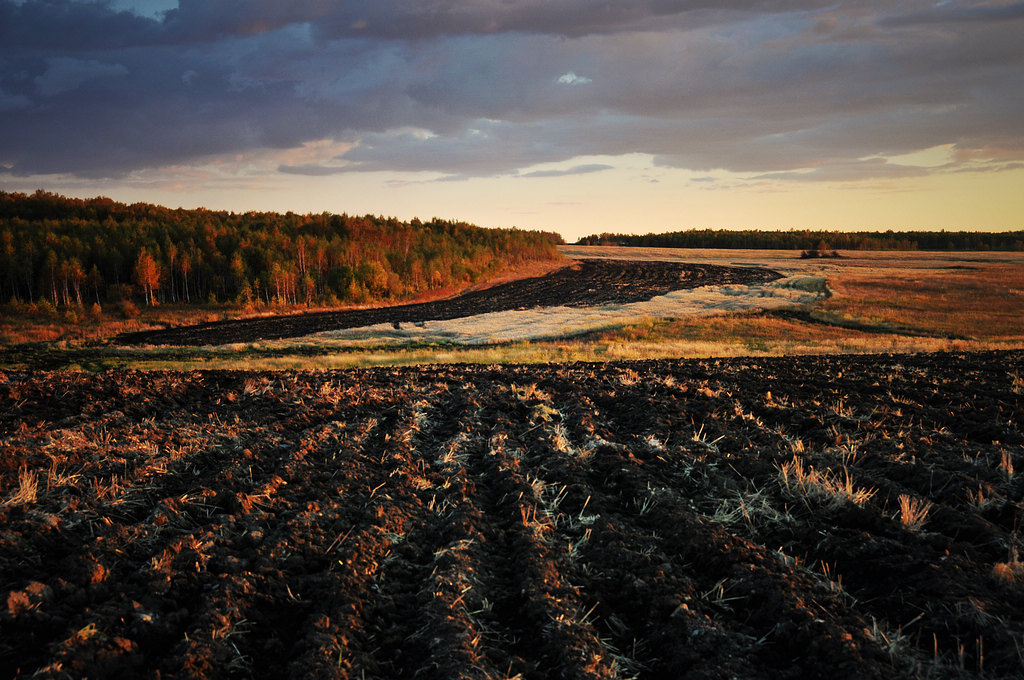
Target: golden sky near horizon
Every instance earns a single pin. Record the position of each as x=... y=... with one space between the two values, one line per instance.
x=626 y=201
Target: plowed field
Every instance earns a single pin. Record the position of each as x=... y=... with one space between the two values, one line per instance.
x=585 y=283
x=845 y=517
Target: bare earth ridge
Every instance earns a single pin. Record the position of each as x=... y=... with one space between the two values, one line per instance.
x=586 y=283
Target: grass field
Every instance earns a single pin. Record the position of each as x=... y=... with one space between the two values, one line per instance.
x=863 y=302
x=878 y=301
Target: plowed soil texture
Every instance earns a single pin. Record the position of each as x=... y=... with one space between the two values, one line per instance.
x=840 y=517
x=585 y=283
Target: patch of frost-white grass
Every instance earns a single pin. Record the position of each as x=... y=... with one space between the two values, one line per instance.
x=547 y=322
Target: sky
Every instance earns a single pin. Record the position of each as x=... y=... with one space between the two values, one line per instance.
x=576 y=116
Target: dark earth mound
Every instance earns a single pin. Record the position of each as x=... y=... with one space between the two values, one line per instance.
x=672 y=519
x=588 y=282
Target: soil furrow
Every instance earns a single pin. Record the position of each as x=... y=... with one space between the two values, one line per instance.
x=355 y=605
x=825 y=516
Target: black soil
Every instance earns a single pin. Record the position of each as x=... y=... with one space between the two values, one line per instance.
x=588 y=282
x=573 y=521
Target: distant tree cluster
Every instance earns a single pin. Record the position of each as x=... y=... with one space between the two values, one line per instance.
x=821 y=241
x=823 y=249
x=71 y=252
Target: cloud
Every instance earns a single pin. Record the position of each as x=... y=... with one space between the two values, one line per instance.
x=64 y=26
x=403 y=20
x=145 y=8
x=856 y=170
x=575 y=170
x=314 y=170
x=10 y=101
x=571 y=78
x=788 y=88
x=63 y=74
x=309 y=170
x=948 y=13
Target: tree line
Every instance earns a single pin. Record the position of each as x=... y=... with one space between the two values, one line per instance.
x=819 y=240
x=73 y=252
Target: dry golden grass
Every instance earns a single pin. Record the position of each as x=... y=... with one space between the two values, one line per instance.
x=985 y=301
x=755 y=334
x=22 y=323
x=822 y=486
x=913 y=511
x=880 y=302
x=28 y=488
x=753 y=331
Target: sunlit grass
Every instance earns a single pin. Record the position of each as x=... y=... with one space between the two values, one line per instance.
x=22 y=323
x=766 y=334
x=913 y=511
x=721 y=336
x=753 y=330
x=984 y=302
x=880 y=303
x=824 y=486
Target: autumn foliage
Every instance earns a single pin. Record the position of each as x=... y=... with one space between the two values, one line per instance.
x=74 y=252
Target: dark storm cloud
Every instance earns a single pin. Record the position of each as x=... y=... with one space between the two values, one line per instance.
x=67 y=26
x=493 y=87
x=401 y=19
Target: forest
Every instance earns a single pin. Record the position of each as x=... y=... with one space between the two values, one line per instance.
x=819 y=240
x=69 y=252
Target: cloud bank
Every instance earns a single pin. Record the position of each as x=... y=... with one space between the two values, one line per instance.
x=796 y=89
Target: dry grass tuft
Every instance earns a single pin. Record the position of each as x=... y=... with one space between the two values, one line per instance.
x=1006 y=465
x=28 y=488
x=530 y=393
x=980 y=500
x=822 y=486
x=1009 y=572
x=913 y=511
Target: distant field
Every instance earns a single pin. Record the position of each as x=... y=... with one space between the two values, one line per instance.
x=863 y=302
x=877 y=302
